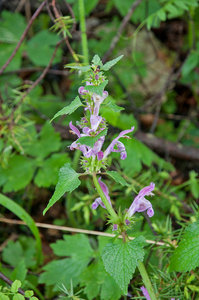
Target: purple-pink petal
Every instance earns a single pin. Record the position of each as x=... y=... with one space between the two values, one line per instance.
x=146 y=191
x=95 y=121
x=127 y=222
x=145 y=293
x=100 y=155
x=74 y=129
x=115 y=226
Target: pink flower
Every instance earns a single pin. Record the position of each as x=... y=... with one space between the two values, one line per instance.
x=140 y=203
x=98 y=201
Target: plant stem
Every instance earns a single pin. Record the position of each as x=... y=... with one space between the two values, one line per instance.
x=83 y=30
x=104 y=199
x=146 y=281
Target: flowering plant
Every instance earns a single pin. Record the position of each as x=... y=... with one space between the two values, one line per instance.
x=121 y=260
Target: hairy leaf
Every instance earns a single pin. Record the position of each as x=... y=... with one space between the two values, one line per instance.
x=185 y=257
x=115 y=107
x=69 y=109
x=96 y=60
x=81 y=68
x=111 y=63
x=91 y=140
x=121 y=260
x=68 y=182
x=97 y=89
x=117 y=177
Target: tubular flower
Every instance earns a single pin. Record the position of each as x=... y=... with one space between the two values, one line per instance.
x=98 y=201
x=140 y=203
x=119 y=146
x=98 y=101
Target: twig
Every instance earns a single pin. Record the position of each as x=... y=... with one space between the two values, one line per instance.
x=70 y=229
x=23 y=36
x=36 y=82
x=120 y=30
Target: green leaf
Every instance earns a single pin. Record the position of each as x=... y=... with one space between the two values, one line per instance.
x=46 y=49
x=20 y=271
x=115 y=107
x=49 y=141
x=68 y=182
x=191 y=63
x=18 y=164
x=110 y=290
x=15 y=286
x=83 y=69
x=194 y=186
x=4 y=297
x=50 y=166
x=24 y=216
x=185 y=257
x=117 y=177
x=73 y=245
x=65 y=270
x=29 y=294
x=97 y=89
x=8 y=32
x=97 y=61
x=18 y=297
x=69 y=109
x=161 y=14
x=120 y=261
x=6 y=51
x=91 y=140
x=111 y=63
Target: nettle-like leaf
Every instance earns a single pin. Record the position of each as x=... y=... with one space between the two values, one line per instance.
x=91 y=140
x=185 y=257
x=80 y=68
x=115 y=107
x=111 y=63
x=63 y=270
x=117 y=177
x=68 y=182
x=120 y=261
x=97 y=89
x=97 y=61
x=69 y=109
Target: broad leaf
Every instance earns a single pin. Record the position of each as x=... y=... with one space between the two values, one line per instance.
x=63 y=270
x=185 y=257
x=3 y=296
x=111 y=63
x=69 y=109
x=190 y=63
x=120 y=261
x=91 y=140
x=98 y=89
x=68 y=182
x=117 y=177
x=15 y=286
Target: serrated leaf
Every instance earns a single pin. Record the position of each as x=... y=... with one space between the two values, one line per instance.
x=111 y=63
x=91 y=140
x=69 y=109
x=115 y=107
x=185 y=257
x=83 y=69
x=68 y=182
x=120 y=261
x=96 y=60
x=15 y=286
x=97 y=89
x=117 y=177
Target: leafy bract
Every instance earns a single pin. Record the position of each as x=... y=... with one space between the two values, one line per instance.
x=97 y=61
x=115 y=107
x=121 y=260
x=68 y=182
x=69 y=109
x=117 y=177
x=81 y=68
x=97 y=89
x=185 y=257
x=111 y=63
x=91 y=140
